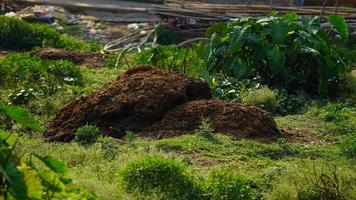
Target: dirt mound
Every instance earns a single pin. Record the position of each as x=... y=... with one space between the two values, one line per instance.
x=88 y=59
x=138 y=98
x=237 y=120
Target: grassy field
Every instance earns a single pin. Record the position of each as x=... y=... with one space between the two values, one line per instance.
x=276 y=168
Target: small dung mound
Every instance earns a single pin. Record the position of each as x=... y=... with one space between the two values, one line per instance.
x=136 y=100
x=237 y=120
x=88 y=59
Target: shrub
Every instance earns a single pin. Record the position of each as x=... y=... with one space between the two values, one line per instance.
x=167 y=35
x=224 y=184
x=205 y=130
x=287 y=51
x=44 y=76
x=87 y=134
x=349 y=146
x=18 y=34
x=156 y=174
x=109 y=147
x=130 y=136
x=263 y=98
x=326 y=184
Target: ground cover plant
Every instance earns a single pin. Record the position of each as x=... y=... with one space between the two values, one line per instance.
x=313 y=156
x=21 y=35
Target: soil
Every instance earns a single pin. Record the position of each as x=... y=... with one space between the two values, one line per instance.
x=297 y=135
x=236 y=120
x=156 y=103
x=88 y=59
x=136 y=100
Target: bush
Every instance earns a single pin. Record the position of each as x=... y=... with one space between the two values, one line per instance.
x=287 y=51
x=156 y=174
x=263 y=98
x=205 y=130
x=43 y=76
x=167 y=35
x=87 y=134
x=130 y=136
x=109 y=147
x=349 y=146
x=326 y=184
x=224 y=184
x=18 y=34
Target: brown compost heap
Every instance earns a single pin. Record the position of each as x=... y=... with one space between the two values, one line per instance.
x=155 y=103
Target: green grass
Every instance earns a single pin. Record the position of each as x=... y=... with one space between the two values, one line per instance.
x=274 y=168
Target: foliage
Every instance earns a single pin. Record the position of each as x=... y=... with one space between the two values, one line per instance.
x=167 y=35
x=170 y=57
x=109 y=146
x=86 y=134
x=263 y=98
x=130 y=136
x=41 y=76
x=18 y=34
x=158 y=174
x=291 y=103
x=225 y=184
x=288 y=52
x=337 y=118
x=327 y=185
x=348 y=147
x=24 y=180
x=204 y=129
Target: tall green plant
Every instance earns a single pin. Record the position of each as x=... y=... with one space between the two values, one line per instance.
x=287 y=51
x=24 y=180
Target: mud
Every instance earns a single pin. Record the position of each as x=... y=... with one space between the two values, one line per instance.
x=136 y=100
x=88 y=59
x=236 y=120
x=156 y=103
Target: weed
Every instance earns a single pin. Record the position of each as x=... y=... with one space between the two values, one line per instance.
x=263 y=98
x=348 y=147
x=109 y=147
x=154 y=173
x=130 y=136
x=204 y=129
x=224 y=184
x=326 y=184
x=87 y=134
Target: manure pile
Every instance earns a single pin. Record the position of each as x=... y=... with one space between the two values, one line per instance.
x=158 y=103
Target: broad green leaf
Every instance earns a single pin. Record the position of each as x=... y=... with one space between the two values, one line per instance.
x=55 y=165
x=20 y=115
x=238 y=37
x=13 y=176
x=276 y=60
x=240 y=69
x=339 y=26
x=279 y=32
x=291 y=16
x=51 y=181
x=7 y=137
x=32 y=181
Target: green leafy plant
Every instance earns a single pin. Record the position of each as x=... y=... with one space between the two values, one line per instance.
x=167 y=35
x=130 y=136
x=263 y=98
x=205 y=130
x=18 y=34
x=154 y=173
x=43 y=76
x=326 y=184
x=224 y=183
x=109 y=146
x=25 y=180
x=348 y=147
x=86 y=134
x=287 y=51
